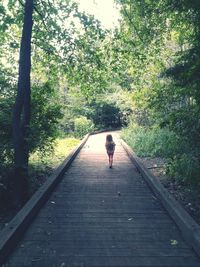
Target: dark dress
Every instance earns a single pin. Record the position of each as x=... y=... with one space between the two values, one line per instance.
x=110 y=147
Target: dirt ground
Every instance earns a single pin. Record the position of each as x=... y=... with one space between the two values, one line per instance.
x=188 y=197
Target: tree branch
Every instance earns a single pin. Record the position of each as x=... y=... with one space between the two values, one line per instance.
x=21 y=3
x=41 y=16
x=131 y=22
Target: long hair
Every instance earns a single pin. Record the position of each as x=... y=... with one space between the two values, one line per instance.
x=109 y=138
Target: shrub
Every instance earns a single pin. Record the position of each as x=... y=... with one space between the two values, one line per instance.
x=181 y=158
x=82 y=126
x=185 y=168
x=46 y=114
x=151 y=142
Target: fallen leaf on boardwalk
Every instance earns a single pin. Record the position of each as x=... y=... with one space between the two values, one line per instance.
x=53 y=202
x=63 y=264
x=174 y=242
x=130 y=219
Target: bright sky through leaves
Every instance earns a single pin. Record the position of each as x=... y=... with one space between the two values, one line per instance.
x=104 y=10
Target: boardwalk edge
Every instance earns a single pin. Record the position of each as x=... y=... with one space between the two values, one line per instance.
x=188 y=227
x=13 y=232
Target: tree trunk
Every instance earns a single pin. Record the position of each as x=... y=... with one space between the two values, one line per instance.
x=22 y=109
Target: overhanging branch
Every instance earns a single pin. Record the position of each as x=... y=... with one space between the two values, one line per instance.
x=131 y=22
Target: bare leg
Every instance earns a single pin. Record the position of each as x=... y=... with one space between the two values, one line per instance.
x=111 y=160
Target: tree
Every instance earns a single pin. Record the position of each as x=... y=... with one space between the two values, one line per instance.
x=160 y=42
x=22 y=108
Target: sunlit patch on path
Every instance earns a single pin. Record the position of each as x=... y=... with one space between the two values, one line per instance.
x=103 y=217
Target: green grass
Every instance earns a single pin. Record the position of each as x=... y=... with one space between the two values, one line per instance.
x=62 y=148
x=153 y=142
x=42 y=165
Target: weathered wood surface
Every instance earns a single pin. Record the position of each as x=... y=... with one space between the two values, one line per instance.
x=103 y=217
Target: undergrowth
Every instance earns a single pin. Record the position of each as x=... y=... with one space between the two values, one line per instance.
x=181 y=161
x=41 y=165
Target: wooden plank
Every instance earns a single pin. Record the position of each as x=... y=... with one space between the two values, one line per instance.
x=93 y=244
x=128 y=251
x=107 y=260
x=86 y=222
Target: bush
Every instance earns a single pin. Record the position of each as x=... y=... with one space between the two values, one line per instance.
x=151 y=142
x=45 y=119
x=6 y=148
x=106 y=115
x=46 y=114
x=185 y=168
x=82 y=126
x=182 y=162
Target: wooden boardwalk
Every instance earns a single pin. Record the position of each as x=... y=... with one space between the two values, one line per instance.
x=103 y=217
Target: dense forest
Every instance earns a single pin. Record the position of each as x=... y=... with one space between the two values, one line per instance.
x=63 y=74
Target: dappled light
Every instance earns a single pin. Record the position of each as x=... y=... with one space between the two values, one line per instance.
x=73 y=70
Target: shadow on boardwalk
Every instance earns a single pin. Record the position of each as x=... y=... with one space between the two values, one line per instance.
x=102 y=217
